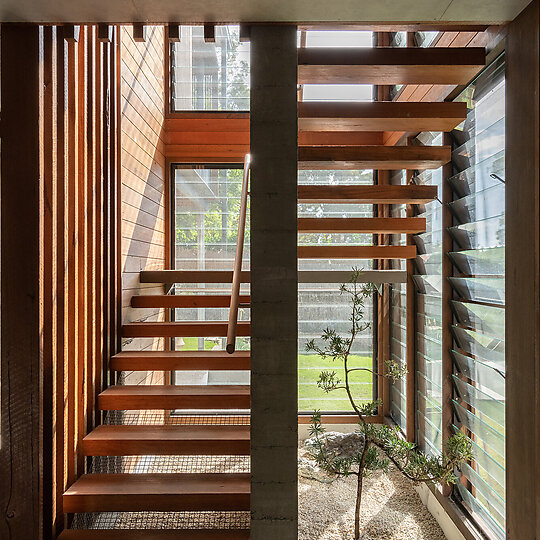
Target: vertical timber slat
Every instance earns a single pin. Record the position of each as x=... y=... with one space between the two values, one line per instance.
x=522 y=341
x=20 y=452
x=274 y=335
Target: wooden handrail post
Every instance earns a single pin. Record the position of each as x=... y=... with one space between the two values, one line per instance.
x=237 y=271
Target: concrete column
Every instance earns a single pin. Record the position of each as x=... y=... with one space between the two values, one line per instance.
x=274 y=283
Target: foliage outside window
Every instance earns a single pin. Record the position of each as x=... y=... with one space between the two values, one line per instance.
x=210 y=76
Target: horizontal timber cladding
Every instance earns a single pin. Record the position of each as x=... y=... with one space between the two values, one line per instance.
x=144 y=192
x=71 y=87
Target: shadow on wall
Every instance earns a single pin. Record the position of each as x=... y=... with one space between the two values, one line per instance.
x=143 y=181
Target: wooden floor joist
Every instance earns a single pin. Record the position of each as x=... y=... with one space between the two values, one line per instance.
x=185 y=301
x=182 y=329
x=389 y=65
x=154 y=534
x=113 y=440
x=372 y=157
x=380 y=116
x=362 y=225
x=193 y=397
x=356 y=252
x=165 y=492
x=367 y=194
x=180 y=360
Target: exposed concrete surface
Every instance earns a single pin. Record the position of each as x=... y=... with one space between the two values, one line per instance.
x=192 y=11
x=274 y=290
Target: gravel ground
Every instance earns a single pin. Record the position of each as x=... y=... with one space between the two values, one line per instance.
x=391 y=509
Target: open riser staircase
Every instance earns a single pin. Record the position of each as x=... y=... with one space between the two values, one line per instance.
x=131 y=489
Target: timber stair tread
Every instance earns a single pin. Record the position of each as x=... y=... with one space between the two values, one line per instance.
x=185 y=300
x=154 y=534
x=389 y=65
x=167 y=492
x=180 y=360
x=362 y=225
x=193 y=397
x=372 y=157
x=356 y=252
x=183 y=329
x=191 y=276
x=366 y=194
x=305 y=276
x=380 y=116
x=120 y=440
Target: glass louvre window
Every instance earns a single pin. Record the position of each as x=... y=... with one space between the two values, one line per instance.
x=478 y=305
x=428 y=283
x=210 y=76
x=321 y=305
x=398 y=321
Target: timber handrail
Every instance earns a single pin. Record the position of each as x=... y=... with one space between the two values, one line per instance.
x=237 y=272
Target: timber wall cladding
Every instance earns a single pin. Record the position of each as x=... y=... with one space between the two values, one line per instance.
x=78 y=246
x=144 y=191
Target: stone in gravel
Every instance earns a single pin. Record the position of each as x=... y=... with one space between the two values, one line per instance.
x=308 y=468
x=344 y=445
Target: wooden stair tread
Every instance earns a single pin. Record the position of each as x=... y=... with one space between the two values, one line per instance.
x=185 y=300
x=183 y=329
x=180 y=360
x=158 y=492
x=144 y=397
x=373 y=157
x=154 y=534
x=356 y=252
x=380 y=116
x=389 y=65
x=118 y=440
x=362 y=225
x=191 y=276
x=367 y=194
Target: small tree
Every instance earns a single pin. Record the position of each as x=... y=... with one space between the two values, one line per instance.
x=414 y=464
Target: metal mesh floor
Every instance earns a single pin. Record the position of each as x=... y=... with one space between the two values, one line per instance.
x=162 y=520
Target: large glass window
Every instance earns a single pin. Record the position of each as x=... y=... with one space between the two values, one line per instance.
x=322 y=305
x=478 y=305
x=206 y=208
x=210 y=76
x=206 y=220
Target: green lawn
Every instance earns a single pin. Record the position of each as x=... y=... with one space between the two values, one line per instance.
x=310 y=397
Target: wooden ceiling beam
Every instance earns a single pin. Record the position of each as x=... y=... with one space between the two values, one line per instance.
x=366 y=194
x=359 y=225
x=356 y=252
x=380 y=116
x=372 y=157
x=389 y=65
